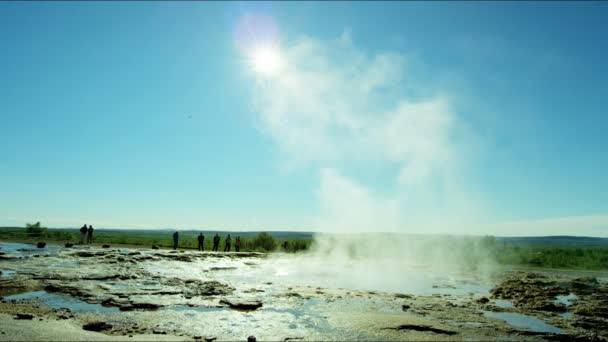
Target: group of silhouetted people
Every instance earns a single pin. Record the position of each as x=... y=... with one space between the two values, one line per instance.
x=86 y=233
x=216 y=242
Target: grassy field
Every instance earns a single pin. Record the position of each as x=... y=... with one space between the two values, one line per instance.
x=548 y=252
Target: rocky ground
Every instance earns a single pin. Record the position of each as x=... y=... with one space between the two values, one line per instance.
x=90 y=293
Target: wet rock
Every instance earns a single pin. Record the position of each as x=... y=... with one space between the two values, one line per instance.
x=159 y=332
x=154 y=247
x=210 y=339
x=482 y=300
x=24 y=315
x=242 y=305
x=401 y=295
x=222 y=268
x=105 y=246
x=41 y=244
x=69 y=245
x=405 y=307
x=140 y=306
x=424 y=328
x=85 y=254
x=97 y=326
x=253 y=290
x=251 y=339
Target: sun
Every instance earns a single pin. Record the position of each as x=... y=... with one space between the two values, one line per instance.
x=266 y=60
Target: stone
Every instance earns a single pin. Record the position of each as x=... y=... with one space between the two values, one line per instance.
x=69 y=245
x=482 y=300
x=251 y=339
x=242 y=305
x=154 y=247
x=24 y=315
x=97 y=326
x=41 y=244
x=105 y=246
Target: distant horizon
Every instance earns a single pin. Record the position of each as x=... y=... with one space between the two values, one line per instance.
x=322 y=232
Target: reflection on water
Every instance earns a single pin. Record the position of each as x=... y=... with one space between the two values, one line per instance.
x=524 y=321
x=566 y=300
x=23 y=249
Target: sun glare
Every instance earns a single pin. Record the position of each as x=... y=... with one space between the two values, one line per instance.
x=266 y=61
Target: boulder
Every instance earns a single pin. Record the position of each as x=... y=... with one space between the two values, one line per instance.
x=41 y=244
x=105 y=246
x=69 y=245
x=154 y=247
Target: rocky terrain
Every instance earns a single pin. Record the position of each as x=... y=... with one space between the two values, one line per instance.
x=90 y=293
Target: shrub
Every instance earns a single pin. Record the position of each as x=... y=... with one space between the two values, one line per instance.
x=35 y=230
x=265 y=242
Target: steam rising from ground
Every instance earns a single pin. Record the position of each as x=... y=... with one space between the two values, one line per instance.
x=338 y=111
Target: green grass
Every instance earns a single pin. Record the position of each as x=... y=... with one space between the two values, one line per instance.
x=551 y=256
x=469 y=250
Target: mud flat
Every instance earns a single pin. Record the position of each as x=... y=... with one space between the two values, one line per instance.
x=88 y=293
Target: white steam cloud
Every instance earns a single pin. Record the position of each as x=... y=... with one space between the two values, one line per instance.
x=336 y=109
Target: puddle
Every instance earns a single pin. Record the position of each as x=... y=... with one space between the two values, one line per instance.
x=503 y=303
x=57 y=301
x=7 y=273
x=25 y=249
x=566 y=300
x=524 y=321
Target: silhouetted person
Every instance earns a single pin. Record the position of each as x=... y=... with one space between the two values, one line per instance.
x=237 y=244
x=175 y=238
x=83 y=233
x=201 y=242
x=90 y=234
x=285 y=246
x=228 y=241
x=216 y=242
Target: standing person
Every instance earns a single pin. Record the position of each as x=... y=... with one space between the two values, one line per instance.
x=175 y=238
x=201 y=242
x=83 y=233
x=237 y=244
x=90 y=234
x=216 y=242
x=228 y=241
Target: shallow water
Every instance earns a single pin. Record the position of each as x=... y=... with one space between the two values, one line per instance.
x=58 y=301
x=503 y=303
x=7 y=273
x=524 y=321
x=309 y=271
x=25 y=249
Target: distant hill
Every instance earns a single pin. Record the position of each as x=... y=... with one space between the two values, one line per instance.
x=555 y=240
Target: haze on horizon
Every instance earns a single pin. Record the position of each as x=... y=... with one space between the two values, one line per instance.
x=436 y=118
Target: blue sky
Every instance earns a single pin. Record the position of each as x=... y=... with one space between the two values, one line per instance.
x=463 y=118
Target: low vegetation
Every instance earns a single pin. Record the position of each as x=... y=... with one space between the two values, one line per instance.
x=504 y=251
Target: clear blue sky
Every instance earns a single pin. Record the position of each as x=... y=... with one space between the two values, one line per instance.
x=147 y=114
